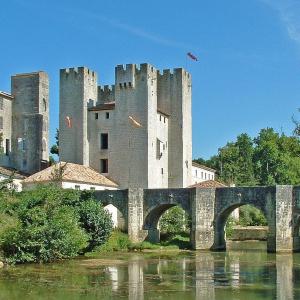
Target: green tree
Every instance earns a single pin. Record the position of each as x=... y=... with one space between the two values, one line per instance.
x=244 y=161
x=174 y=220
x=55 y=148
x=50 y=223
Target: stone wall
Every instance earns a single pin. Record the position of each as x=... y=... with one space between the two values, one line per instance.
x=78 y=91
x=30 y=121
x=5 y=114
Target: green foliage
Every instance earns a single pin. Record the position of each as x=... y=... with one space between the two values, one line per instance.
x=118 y=241
x=229 y=226
x=181 y=241
x=174 y=220
x=55 y=148
x=268 y=159
x=96 y=221
x=50 y=223
x=251 y=216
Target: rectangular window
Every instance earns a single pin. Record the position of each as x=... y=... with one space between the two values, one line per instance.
x=162 y=170
x=7 y=147
x=104 y=140
x=104 y=165
x=1 y=122
x=1 y=103
x=107 y=115
x=92 y=188
x=77 y=187
x=96 y=116
x=158 y=149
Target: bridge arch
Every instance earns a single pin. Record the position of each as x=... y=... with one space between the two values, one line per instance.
x=117 y=199
x=229 y=199
x=157 y=202
x=152 y=218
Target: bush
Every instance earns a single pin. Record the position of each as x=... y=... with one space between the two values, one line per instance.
x=50 y=223
x=251 y=216
x=174 y=220
x=47 y=237
x=118 y=241
x=96 y=221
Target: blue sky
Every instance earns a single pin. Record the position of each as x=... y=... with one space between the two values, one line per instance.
x=247 y=76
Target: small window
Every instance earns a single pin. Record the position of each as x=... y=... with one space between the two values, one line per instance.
x=162 y=170
x=24 y=163
x=104 y=165
x=1 y=122
x=1 y=103
x=7 y=146
x=77 y=187
x=44 y=104
x=201 y=175
x=158 y=149
x=24 y=145
x=92 y=188
x=159 y=117
x=164 y=119
x=104 y=140
x=96 y=116
x=107 y=115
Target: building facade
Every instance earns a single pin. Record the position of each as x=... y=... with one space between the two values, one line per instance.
x=24 y=119
x=137 y=132
x=201 y=173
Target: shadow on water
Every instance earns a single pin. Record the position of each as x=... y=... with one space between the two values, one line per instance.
x=236 y=274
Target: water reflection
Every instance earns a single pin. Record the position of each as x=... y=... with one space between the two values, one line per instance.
x=199 y=275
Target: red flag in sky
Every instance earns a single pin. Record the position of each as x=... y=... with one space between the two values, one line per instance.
x=192 y=56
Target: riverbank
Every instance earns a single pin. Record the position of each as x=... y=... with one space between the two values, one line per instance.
x=119 y=241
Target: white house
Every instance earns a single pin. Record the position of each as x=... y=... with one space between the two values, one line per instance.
x=201 y=173
x=75 y=176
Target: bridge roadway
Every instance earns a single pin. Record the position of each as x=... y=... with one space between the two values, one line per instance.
x=209 y=209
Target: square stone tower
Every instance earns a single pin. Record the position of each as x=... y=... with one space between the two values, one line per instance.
x=78 y=91
x=30 y=121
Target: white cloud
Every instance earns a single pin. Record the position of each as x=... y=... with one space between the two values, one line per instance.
x=289 y=13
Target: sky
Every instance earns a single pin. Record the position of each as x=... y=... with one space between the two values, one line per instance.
x=247 y=76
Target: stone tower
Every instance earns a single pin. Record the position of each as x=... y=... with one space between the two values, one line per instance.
x=137 y=132
x=78 y=91
x=30 y=121
x=174 y=96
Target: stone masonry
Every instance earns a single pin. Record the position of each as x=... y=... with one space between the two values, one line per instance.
x=209 y=209
x=25 y=116
x=137 y=132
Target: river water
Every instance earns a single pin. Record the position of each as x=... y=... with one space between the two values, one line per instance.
x=246 y=271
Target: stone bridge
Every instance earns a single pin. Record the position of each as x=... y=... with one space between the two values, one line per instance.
x=209 y=209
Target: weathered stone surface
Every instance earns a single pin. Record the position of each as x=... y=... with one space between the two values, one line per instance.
x=240 y=233
x=209 y=209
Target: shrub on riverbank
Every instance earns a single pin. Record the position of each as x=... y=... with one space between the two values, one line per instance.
x=50 y=223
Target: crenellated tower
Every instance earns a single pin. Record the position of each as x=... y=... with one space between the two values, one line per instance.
x=137 y=131
x=174 y=96
x=78 y=91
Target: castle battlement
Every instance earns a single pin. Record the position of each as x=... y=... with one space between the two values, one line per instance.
x=106 y=93
x=78 y=70
x=170 y=73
